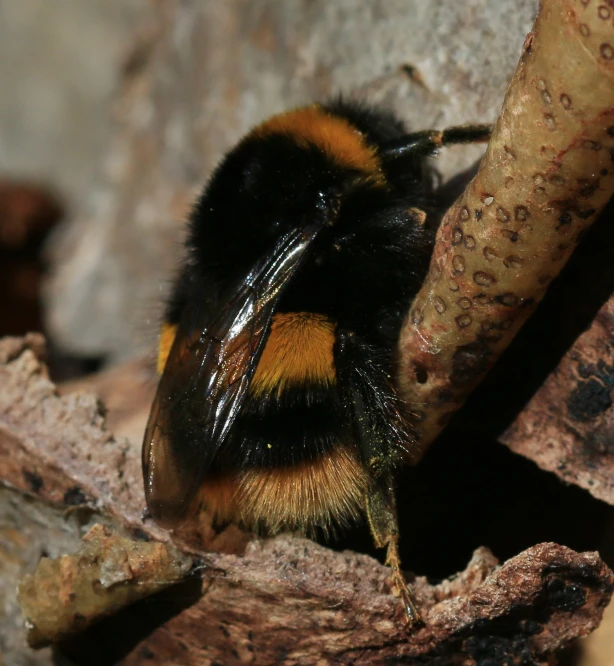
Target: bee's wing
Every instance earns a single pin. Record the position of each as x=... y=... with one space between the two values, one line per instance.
x=205 y=381
x=381 y=421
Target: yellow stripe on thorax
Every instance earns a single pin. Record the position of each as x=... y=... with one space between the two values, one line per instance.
x=335 y=136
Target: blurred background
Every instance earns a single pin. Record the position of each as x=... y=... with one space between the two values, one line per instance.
x=112 y=115
x=61 y=69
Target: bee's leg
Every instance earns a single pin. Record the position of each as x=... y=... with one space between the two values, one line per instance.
x=466 y=134
x=374 y=413
x=421 y=144
x=382 y=516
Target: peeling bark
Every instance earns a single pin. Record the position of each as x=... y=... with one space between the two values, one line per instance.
x=291 y=601
x=568 y=426
x=285 y=599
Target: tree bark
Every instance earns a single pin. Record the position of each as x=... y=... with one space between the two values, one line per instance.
x=286 y=599
x=568 y=426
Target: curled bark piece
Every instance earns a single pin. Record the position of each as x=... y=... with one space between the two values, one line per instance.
x=546 y=175
x=568 y=426
x=66 y=595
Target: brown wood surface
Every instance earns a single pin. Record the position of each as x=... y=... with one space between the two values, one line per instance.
x=283 y=600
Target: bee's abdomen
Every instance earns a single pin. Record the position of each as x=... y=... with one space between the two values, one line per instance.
x=289 y=455
x=296 y=426
x=292 y=413
x=298 y=351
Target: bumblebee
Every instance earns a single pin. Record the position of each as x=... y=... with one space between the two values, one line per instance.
x=277 y=405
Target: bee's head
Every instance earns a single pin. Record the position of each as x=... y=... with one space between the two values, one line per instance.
x=263 y=189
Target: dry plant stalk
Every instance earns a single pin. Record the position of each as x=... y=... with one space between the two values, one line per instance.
x=547 y=173
x=66 y=595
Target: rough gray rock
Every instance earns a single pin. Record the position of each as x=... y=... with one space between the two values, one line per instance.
x=203 y=74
